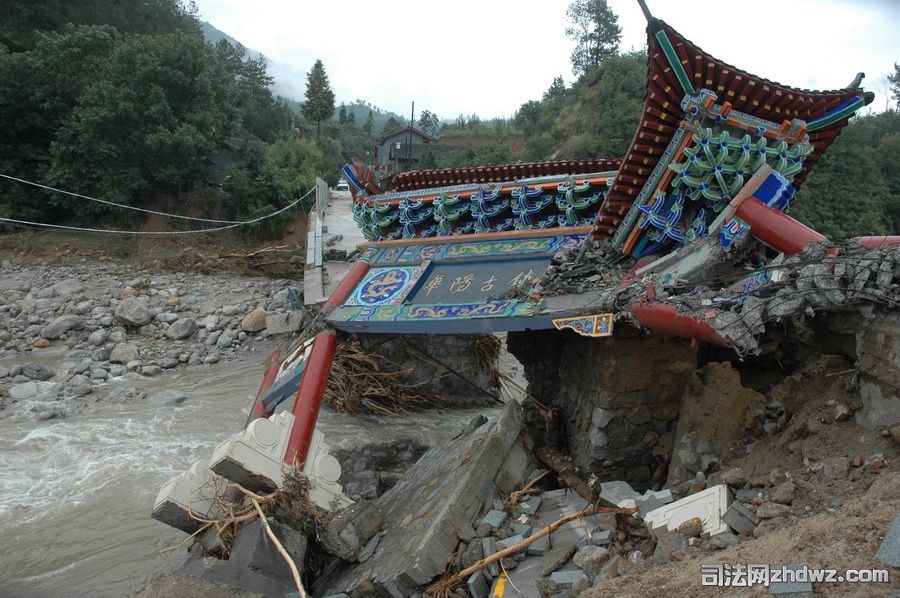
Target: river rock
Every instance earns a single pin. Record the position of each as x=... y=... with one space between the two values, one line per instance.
x=210 y=322
x=36 y=371
x=61 y=325
x=30 y=390
x=123 y=353
x=213 y=338
x=79 y=386
x=97 y=337
x=212 y=357
x=254 y=321
x=284 y=322
x=41 y=343
x=83 y=366
x=182 y=329
x=133 y=312
x=231 y=310
x=166 y=317
x=151 y=370
x=163 y=398
x=226 y=339
x=70 y=286
x=82 y=308
x=46 y=293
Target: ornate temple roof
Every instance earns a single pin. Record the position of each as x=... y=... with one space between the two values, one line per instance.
x=678 y=68
x=441 y=177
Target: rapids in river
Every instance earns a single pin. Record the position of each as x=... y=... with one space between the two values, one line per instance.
x=76 y=493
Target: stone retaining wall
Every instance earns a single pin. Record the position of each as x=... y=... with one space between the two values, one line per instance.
x=616 y=400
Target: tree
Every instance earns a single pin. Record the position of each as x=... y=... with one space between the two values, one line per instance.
x=429 y=122
x=369 y=126
x=595 y=29
x=391 y=126
x=342 y=114
x=319 y=104
x=894 y=81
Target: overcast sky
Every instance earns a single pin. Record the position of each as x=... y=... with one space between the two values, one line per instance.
x=488 y=57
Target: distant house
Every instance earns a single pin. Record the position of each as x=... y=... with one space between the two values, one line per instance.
x=403 y=150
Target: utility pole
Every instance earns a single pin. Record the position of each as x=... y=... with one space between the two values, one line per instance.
x=412 y=114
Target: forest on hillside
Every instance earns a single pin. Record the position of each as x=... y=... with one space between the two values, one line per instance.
x=128 y=102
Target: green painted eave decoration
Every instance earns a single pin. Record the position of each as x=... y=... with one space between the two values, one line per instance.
x=672 y=57
x=839 y=113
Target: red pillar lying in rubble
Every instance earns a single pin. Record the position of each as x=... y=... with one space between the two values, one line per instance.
x=775 y=228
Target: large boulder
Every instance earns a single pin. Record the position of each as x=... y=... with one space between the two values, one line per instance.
x=255 y=320
x=133 y=312
x=181 y=328
x=284 y=322
x=36 y=371
x=61 y=325
x=123 y=353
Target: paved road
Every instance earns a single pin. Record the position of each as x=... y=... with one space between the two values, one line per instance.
x=337 y=222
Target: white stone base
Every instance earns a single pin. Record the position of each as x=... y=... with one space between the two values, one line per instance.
x=709 y=505
x=189 y=493
x=254 y=457
x=323 y=472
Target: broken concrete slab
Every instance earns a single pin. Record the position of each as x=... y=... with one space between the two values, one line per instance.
x=708 y=505
x=556 y=558
x=477 y=585
x=440 y=494
x=740 y=518
x=791 y=588
x=233 y=577
x=254 y=549
x=531 y=505
x=889 y=551
x=619 y=493
x=566 y=580
x=539 y=547
x=494 y=518
x=186 y=497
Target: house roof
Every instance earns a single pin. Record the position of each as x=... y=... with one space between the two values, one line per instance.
x=439 y=177
x=405 y=131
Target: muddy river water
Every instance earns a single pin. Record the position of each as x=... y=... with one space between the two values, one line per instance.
x=76 y=493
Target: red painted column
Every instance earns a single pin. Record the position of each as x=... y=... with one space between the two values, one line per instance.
x=347 y=285
x=309 y=397
x=259 y=409
x=664 y=319
x=776 y=229
x=876 y=242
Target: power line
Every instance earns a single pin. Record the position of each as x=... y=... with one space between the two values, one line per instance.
x=118 y=205
x=127 y=233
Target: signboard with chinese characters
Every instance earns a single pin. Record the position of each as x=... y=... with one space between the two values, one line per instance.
x=472 y=282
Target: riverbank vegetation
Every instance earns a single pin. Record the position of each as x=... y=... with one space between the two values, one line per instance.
x=131 y=104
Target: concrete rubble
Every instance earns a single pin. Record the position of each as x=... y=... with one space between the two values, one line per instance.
x=797 y=285
x=427 y=511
